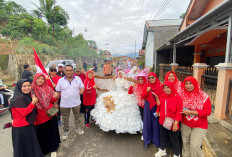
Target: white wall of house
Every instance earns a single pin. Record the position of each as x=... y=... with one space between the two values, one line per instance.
x=149 y=58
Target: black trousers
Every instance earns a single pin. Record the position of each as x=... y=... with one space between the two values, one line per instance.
x=141 y=112
x=170 y=138
x=58 y=113
x=87 y=113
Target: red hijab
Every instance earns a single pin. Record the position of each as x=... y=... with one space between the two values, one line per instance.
x=138 y=89
x=156 y=87
x=171 y=86
x=166 y=76
x=195 y=99
x=89 y=82
x=177 y=84
x=44 y=93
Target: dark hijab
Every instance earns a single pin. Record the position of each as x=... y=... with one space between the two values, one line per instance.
x=21 y=100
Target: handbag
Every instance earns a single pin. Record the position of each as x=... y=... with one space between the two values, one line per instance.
x=168 y=121
x=52 y=111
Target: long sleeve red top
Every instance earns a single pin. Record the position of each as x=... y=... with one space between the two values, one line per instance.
x=174 y=106
x=41 y=116
x=149 y=97
x=89 y=96
x=19 y=115
x=199 y=121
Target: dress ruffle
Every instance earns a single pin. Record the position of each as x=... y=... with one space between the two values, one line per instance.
x=124 y=119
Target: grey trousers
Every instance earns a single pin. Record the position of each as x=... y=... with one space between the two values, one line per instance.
x=65 y=112
x=192 y=141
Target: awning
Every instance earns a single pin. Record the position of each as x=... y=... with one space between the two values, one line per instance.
x=207 y=36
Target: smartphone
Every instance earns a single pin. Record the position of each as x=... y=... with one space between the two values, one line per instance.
x=154 y=114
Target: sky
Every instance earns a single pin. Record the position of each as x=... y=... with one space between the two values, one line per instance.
x=116 y=25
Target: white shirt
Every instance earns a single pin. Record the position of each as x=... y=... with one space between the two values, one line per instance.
x=70 y=91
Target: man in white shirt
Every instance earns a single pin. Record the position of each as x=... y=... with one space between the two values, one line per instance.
x=70 y=87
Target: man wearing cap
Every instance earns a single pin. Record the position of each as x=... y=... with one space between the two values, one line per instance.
x=60 y=70
x=27 y=74
x=55 y=78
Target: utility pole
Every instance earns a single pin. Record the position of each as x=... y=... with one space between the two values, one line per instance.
x=135 y=49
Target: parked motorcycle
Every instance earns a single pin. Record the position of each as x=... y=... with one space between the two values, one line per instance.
x=7 y=96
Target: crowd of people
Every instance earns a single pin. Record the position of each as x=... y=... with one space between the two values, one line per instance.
x=172 y=114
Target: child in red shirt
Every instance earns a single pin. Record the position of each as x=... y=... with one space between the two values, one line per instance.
x=89 y=96
x=171 y=106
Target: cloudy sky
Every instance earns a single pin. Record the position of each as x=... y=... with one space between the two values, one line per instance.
x=115 y=24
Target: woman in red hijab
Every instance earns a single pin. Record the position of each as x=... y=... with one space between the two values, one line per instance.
x=89 y=95
x=197 y=107
x=151 y=92
x=137 y=89
x=46 y=127
x=171 y=76
x=171 y=106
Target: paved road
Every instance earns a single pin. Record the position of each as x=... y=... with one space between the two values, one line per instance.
x=94 y=143
x=6 y=149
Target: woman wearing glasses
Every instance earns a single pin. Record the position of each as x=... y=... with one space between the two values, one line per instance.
x=151 y=92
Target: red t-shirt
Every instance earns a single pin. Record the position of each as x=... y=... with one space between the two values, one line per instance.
x=41 y=116
x=56 y=79
x=199 y=121
x=19 y=115
x=174 y=106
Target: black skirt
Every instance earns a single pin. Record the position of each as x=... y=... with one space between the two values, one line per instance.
x=82 y=108
x=25 y=142
x=48 y=135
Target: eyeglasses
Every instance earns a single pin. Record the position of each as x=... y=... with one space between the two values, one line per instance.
x=53 y=70
x=151 y=78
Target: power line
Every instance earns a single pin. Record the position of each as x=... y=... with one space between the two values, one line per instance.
x=164 y=7
x=154 y=9
x=140 y=14
x=146 y=12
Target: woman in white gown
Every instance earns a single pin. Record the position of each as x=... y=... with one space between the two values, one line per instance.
x=124 y=117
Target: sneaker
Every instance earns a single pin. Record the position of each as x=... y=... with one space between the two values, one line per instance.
x=142 y=137
x=65 y=136
x=87 y=125
x=79 y=131
x=59 y=122
x=176 y=155
x=145 y=147
x=53 y=154
x=161 y=153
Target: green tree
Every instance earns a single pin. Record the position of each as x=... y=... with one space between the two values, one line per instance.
x=92 y=43
x=53 y=13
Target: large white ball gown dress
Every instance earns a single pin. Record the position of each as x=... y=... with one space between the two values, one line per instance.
x=123 y=116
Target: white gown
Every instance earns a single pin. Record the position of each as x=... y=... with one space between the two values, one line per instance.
x=126 y=116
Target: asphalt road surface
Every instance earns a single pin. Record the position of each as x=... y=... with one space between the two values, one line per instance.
x=94 y=143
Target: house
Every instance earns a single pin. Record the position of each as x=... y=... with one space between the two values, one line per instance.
x=202 y=48
x=157 y=32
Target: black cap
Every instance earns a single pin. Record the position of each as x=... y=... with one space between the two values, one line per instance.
x=51 y=68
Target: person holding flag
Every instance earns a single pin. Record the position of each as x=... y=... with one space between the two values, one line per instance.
x=46 y=126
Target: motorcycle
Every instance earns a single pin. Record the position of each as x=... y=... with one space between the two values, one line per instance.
x=7 y=96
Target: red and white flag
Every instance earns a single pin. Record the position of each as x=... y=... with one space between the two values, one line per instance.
x=40 y=68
